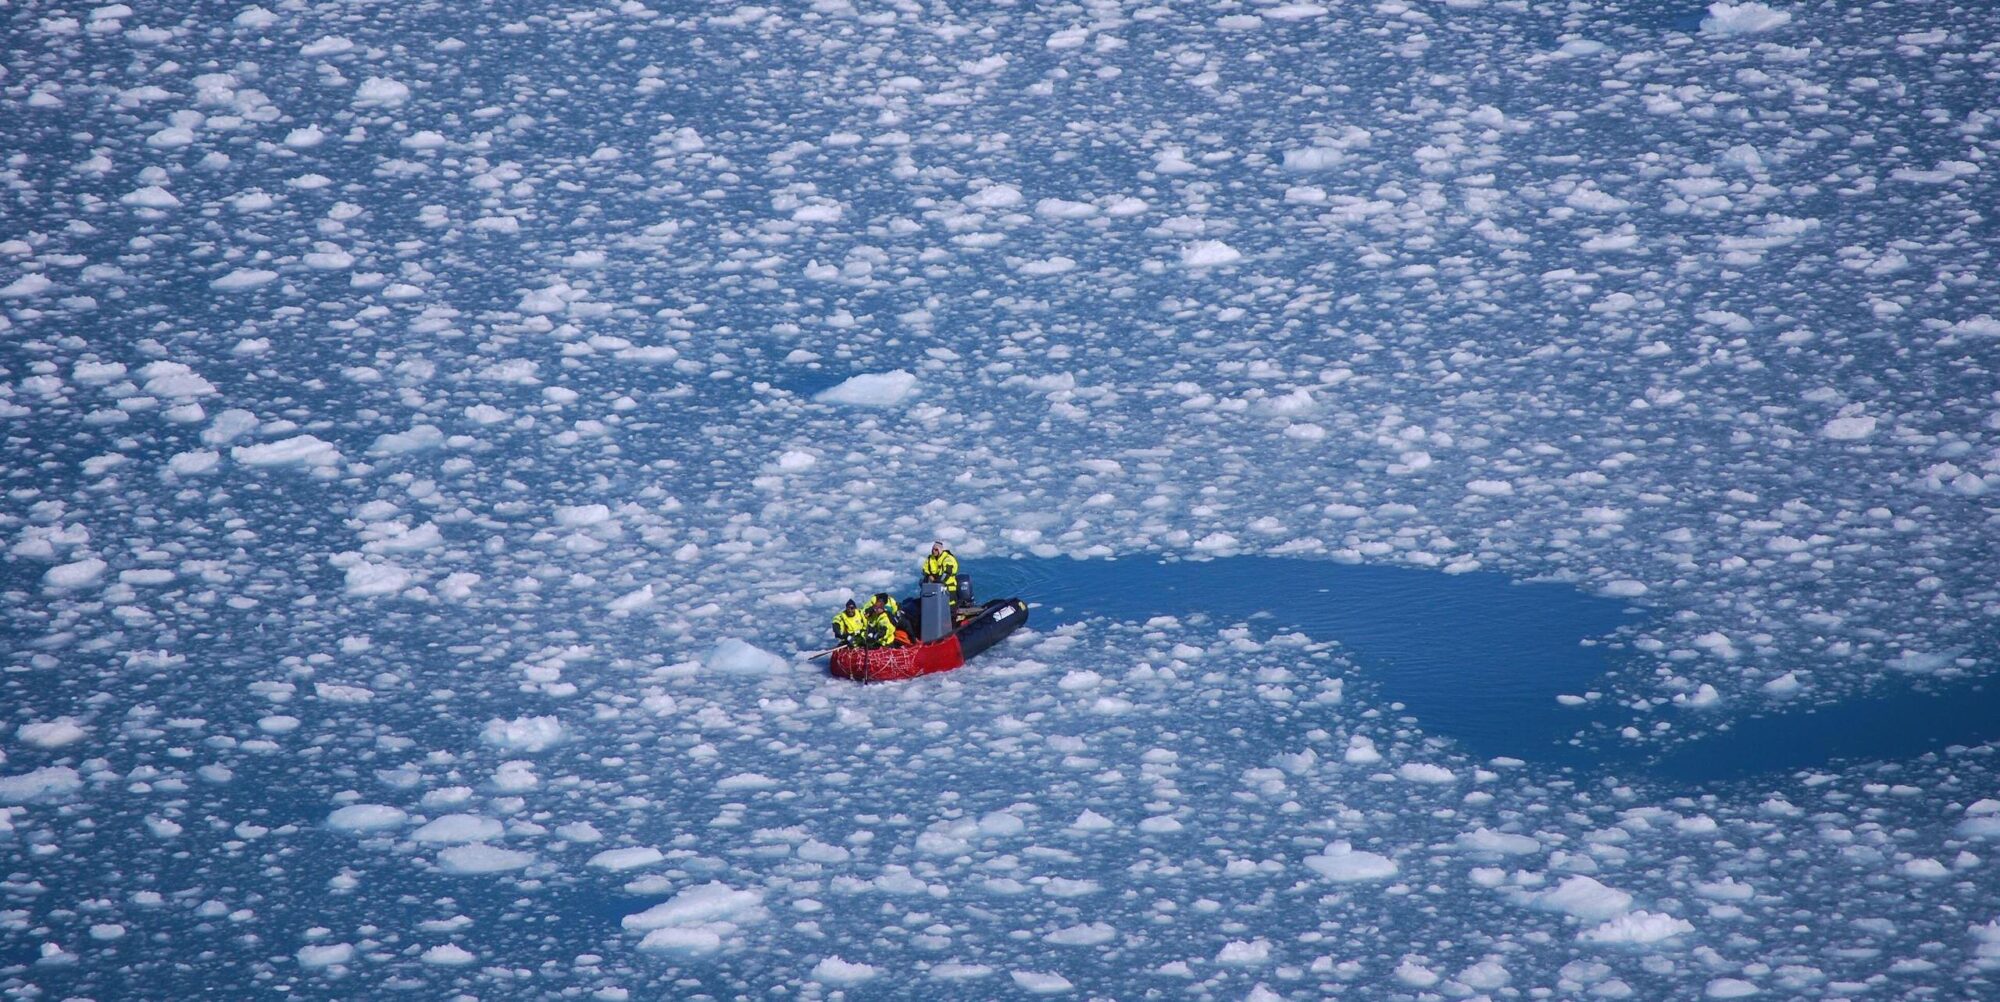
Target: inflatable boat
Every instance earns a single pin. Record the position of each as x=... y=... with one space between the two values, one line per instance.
x=949 y=648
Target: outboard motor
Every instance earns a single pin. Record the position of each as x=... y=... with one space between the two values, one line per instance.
x=965 y=590
x=933 y=612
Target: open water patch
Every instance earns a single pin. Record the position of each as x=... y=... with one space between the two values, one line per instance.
x=1925 y=717
x=1482 y=658
x=1476 y=657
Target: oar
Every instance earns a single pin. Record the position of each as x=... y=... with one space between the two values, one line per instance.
x=820 y=654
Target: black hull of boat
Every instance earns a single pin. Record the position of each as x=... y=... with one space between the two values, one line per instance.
x=995 y=621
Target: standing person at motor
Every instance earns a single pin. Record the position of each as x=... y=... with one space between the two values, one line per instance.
x=941 y=566
x=848 y=625
x=880 y=630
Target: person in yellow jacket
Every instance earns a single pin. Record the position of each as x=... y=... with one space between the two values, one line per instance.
x=883 y=599
x=941 y=566
x=848 y=625
x=880 y=630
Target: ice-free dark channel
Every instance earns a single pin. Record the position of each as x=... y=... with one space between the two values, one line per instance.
x=1481 y=657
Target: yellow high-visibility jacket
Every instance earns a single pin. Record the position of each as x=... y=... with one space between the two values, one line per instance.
x=943 y=568
x=848 y=625
x=880 y=631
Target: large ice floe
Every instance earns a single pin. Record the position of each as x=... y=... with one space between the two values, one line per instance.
x=432 y=430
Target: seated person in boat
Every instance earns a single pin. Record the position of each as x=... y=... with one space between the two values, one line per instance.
x=848 y=625
x=881 y=630
x=883 y=599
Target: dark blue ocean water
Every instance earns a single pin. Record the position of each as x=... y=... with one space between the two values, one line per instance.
x=1481 y=658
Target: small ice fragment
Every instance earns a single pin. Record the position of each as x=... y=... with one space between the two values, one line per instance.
x=479 y=858
x=733 y=656
x=1343 y=863
x=523 y=734
x=448 y=955
x=367 y=818
x=871 y=389
x=1209 y=254
x=835 y=971
x=618 y=860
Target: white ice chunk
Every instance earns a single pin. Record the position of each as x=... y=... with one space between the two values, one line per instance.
x=1047 y=266
x=835 y=971
x=1313 y=158
x=1584 y=898
x=460 y=828
x=1293 y=11
x=151 y=196
x=51 y=733
x=1639 y=927
x=480 y=858
x=194 y=462
x=616 y=860
x=1782 y=685
x=582 y=515
x=1848 y=429
x=25 y=286
x=516 y=776
x=299 y=450
x=1920 y=662
x=1727 y=19
x=381 y=92
x=448 y=955
x=367 y=818
x=367 y=578
x=523 y=734
x=330 y=45
x=1344 y=863
x=334 y=692
x=418 y=438
x=1503 y=843
x=175 y=380
x=704 y=904
x=229 y=426
x=316 y=956
x=871 y=389
x=254 y=17
x=995 y=196
x=1425 y=772
x=1209 y=254
x=243 y=278
x=278 y=723
x=1057 y=208
x=52 y=781
x=1041 y=982
x=636 y=599
x=737 y=657
x=75 y=574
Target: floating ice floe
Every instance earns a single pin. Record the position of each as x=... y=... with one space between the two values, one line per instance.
x=732 y=656
x=699 y=919
x=871 y=389
x=1727 y=19
x=1343 y=863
